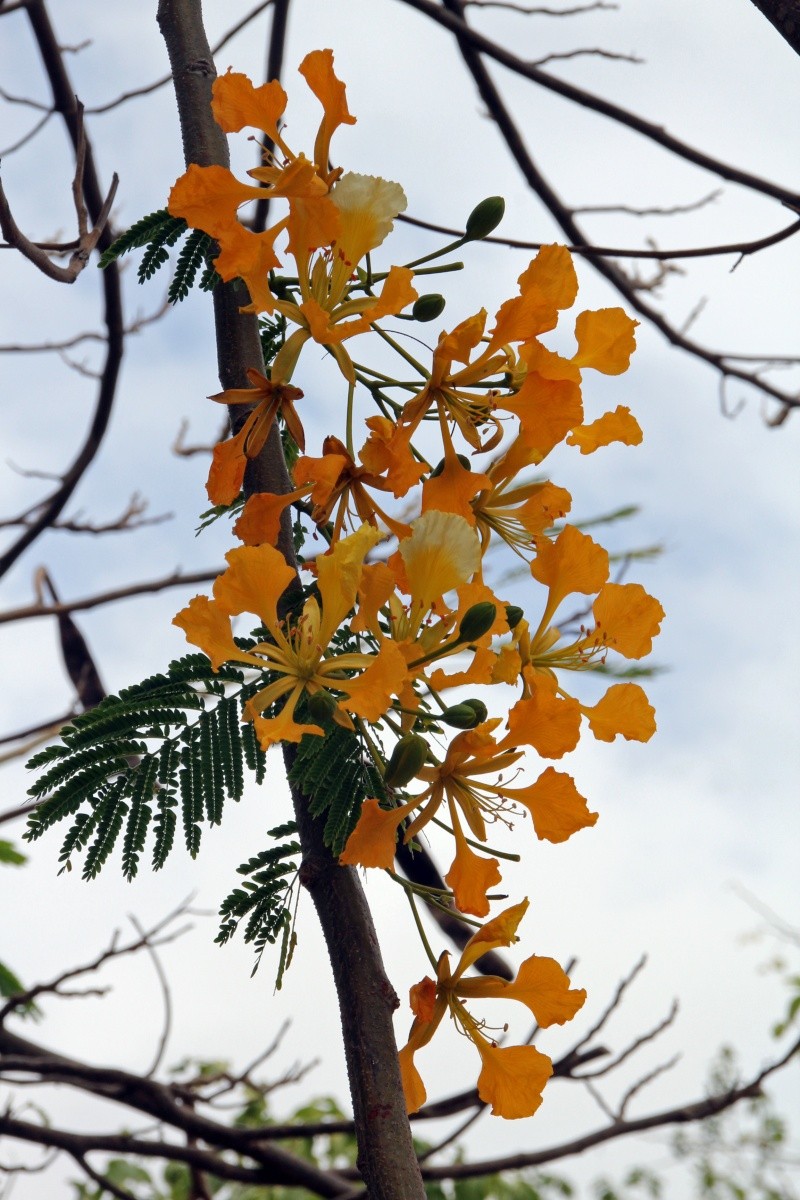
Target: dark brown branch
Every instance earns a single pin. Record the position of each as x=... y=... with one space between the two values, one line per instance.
x=685 y=1114
x=29 y=611
x=87 y=238
x=386 y=1158
x=591 y=251
x=277 y=46
x=564 y=217
x=64 y=103
x=475 y=41
x=784 y=15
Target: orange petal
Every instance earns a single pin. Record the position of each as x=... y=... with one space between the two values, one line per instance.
x=422 y=998
x=556 y=805
x=282 y=728
x=370 y=695
x=413 y=1087
x=616 y=426
x=546 y=721
x=625 y=710
x=627 y=618
x=317 y=70
x=228 y=464
x=261 y=517
x=500 y=931
x=547 y=410
x=251 y=257
x=605 y=340
x=387 y=450
x=471 y=876
x=512 y=1079
x=544 y=507
x=235 y=103
x=256 y=578
x=453 y=488
x=547 y=285
x=541 y=985
x=208 y=627
x=208 y=198
x=574 y=562
x=372 y=842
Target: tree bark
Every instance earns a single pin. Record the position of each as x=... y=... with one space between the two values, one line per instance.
x=367 y=1000
x=785 y=16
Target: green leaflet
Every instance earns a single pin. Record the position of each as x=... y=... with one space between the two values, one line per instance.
x=172 y=745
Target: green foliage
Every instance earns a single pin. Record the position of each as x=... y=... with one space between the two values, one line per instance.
x=168 y=747
x=157 y=232
x=10 y=855
x=337 y=775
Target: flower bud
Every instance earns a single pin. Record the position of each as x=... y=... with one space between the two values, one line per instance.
x=428 y=308
x=514 y=615
x=406 y=760
x=484 y=218
x=479 y=708
x=460 y=716
x=320 y=707
x=477 y=621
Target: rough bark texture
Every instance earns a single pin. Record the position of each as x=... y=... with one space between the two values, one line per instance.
x=366 y=998
x=785 y=16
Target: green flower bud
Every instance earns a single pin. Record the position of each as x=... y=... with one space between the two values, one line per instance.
x=484 y=218
x=460 y=716
x=514 y=615
x=320 y=707
x=406 y=760
x=428 y=308
x=479 y=708
x=477 y=621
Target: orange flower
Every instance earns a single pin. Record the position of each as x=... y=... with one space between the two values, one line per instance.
x=511 y=1078
x=460 y=781
x=230 y=457
x=298 y=658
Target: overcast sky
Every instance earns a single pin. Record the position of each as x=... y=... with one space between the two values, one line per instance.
x=710 y=805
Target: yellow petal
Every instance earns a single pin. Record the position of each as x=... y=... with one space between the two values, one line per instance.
x=339 y=574
x=500 y=931
x=442 y=553
x=228 y=464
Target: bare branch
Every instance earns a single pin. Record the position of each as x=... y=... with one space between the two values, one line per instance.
x=135 y=589
x=536 y=11
x=637 y=1087
x=26 y=137
x=594 y=52
x=87 y=238
x=478 y=42
x=165 y=79
x=135 y=326
x=658 y=211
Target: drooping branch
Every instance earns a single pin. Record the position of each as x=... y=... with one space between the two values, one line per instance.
x=565 y=218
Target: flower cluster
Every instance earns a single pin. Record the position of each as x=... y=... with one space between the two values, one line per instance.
x=401 y=611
